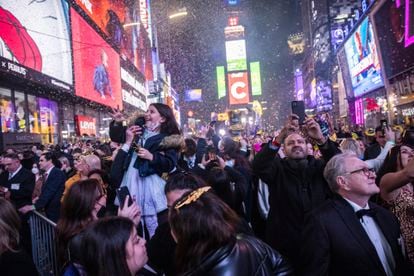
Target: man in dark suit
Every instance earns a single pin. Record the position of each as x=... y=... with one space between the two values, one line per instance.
x=349 y=235
x=18 y=181
x=52 y=189
x=375 y=148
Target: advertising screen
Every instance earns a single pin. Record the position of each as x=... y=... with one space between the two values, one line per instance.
x=221 y=82
x=363 y=61
x=85 y=125
x=35 y=34
x=48 y=111
x=97 y=66
x=323 y=96
x=238 y=88
x=236 y=55
x=391 y=28
x=255 y=78
x=193 y=95
x=298 y=85
x=118 y=19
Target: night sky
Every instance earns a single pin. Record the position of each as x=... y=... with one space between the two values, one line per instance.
x=195 y=45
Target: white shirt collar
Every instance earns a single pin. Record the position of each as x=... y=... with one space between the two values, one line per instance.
x=49 y=170
x=16 y=171
x=355 y=206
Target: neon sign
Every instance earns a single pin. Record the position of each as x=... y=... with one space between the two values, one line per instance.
x=407 y=38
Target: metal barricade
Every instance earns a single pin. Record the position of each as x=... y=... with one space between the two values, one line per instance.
x=43 y=244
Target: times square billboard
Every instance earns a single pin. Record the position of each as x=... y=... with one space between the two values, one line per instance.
x=96 y=65
x=236 y=55
x=127 y=25
x=362 y=60
x=394 y=24
x=35 y=41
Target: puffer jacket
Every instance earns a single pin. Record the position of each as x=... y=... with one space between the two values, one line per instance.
x=246 y=256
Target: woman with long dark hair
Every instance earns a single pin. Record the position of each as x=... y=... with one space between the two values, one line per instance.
x=208 y=243
x=150 y=149
x=13 y=259
x=84 y=203
x=111 y=246
x=396 y=188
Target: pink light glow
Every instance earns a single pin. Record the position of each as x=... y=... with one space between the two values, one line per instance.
x=408 y=39
x=359 y=112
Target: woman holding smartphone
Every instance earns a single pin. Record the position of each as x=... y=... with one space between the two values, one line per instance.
x=148 y=152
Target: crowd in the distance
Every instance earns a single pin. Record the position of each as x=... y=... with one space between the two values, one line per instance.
x=302 y=201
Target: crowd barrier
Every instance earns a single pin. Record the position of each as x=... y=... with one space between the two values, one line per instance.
x=43 y=244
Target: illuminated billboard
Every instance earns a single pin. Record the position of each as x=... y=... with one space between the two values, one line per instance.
x=255 y=78
x=391 y=29
x=221 y=82
x=238 y=88
x=97 y=66
x=118 y=20
x=236 y=55
x=323 y=96
x=193 y=95
x=362 y=57
x=298 y=85
x=85 y=125
x=35 y=34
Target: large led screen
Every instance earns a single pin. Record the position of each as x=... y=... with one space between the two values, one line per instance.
x=193 y=95
x=236 y=55
x=238 y=88
x=119 y=19
x=362 y=58
x=97 y=66
x=35 y=34
x=391 y=26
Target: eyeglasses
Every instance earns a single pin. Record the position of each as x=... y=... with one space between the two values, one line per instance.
x=366 y=171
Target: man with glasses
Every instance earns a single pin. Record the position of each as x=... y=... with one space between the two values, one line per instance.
x=349 y=235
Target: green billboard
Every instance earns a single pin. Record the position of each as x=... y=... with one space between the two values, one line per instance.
x=221 y=82
x=255 y=78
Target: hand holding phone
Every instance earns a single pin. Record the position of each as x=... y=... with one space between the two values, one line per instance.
x=298 y=108
x=122 y=194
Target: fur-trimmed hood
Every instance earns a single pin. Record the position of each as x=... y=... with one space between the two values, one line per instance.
x=175 y=141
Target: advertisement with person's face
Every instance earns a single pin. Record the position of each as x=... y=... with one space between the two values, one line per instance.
x=363 y=62
x=35 y=34
x=96 y=64
x=114 y=18
x=390 y=26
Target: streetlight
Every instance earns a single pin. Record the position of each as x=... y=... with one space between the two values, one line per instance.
x=180 y=13
x=154 y=23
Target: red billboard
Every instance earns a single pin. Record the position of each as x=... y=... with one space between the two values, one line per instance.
x=85 y=125
x=238 y=88
x=96 y=65
x=120 y=21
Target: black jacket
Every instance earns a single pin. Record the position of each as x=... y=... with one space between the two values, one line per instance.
x=244 y=256
x=372 y=151
x=52 y=191
x=335 y=243
x=295 y=188
x=20 y=186
x=165 y=158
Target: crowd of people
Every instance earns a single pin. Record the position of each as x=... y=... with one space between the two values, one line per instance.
x=153 y=201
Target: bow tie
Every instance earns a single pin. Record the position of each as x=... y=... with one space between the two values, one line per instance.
x=365 y=212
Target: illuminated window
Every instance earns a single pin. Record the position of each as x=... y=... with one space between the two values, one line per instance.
x=20 y=113
x=6 y=109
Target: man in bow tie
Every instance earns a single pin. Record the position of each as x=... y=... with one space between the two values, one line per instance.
x=349 y=235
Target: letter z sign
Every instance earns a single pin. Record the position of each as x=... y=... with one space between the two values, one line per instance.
x=238 y=88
